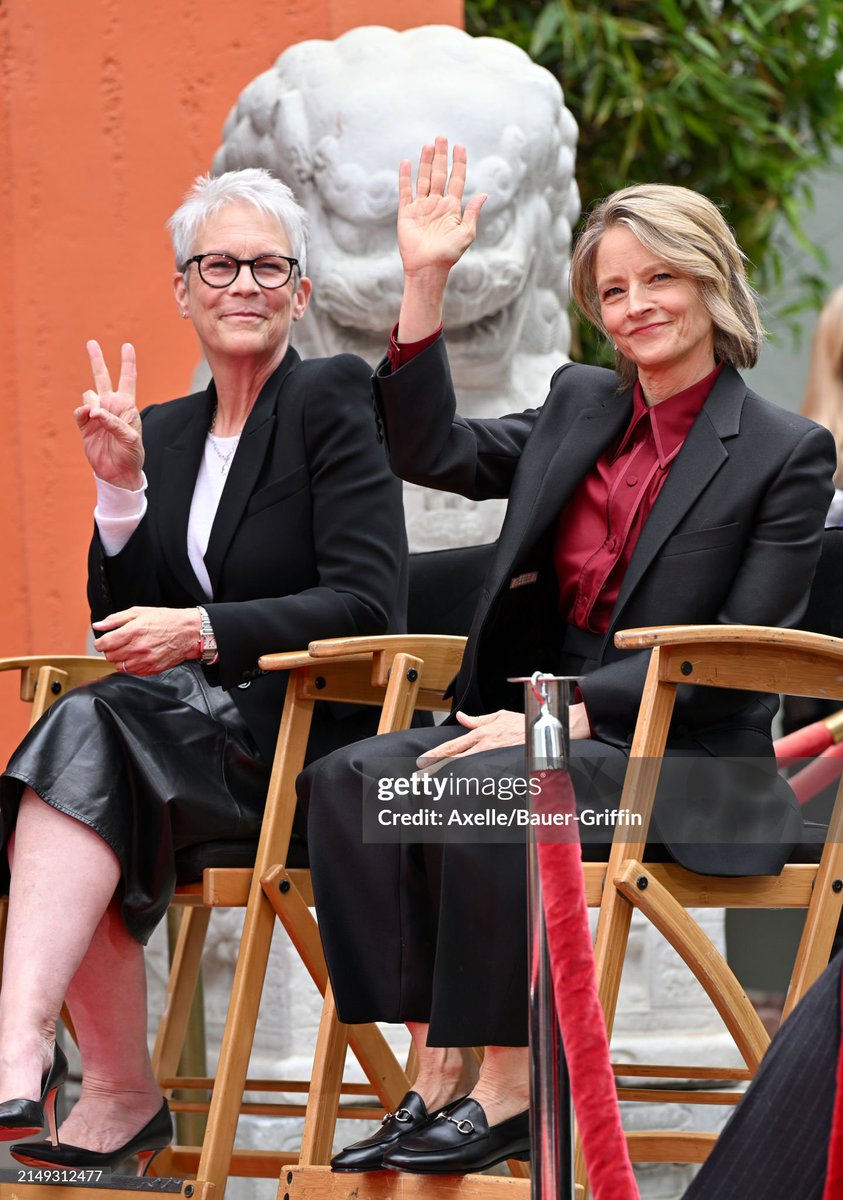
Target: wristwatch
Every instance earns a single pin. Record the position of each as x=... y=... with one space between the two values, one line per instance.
x=207 y=639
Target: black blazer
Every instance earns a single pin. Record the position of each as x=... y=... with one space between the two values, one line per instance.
x=733 y=537
x=308 y=540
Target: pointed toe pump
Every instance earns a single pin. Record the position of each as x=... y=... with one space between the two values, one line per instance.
x=149 y=1141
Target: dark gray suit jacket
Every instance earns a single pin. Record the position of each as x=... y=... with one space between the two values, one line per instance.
x=733 y=537
x=308 y=540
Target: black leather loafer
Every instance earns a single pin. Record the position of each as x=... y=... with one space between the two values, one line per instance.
x=461 y=1140
x=366 y=1155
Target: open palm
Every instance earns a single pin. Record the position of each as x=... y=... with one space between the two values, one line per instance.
x=109 y=421
x=433 y=230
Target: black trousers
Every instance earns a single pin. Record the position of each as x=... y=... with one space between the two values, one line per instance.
x=776 y=1143
x=432 y=931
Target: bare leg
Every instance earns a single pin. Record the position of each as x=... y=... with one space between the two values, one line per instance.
x=107 y=1000
x=502 y=1086
x=445 y=1072
x=66 y=938
x=63 y=879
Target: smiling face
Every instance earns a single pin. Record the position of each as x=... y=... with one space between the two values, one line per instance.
x=242 y=321
x=654 y=316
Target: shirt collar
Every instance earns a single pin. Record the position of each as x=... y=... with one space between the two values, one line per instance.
x=671 y=419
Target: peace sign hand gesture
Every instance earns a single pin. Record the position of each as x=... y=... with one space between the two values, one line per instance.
x=110 y=423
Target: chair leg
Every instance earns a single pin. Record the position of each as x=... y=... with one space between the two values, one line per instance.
x=236 y=1049
x=706 y=963
x=323 y=1098
x=181 y=986
x=368 y=1044
x=820 y=925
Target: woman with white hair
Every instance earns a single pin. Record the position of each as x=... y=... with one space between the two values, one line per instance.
x=251 y=517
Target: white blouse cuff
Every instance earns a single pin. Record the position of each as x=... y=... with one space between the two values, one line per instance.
x=118 y=513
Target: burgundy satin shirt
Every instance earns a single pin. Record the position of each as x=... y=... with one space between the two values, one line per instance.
x=599 y=527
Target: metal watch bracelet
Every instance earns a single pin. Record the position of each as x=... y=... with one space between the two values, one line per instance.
x=207 y=639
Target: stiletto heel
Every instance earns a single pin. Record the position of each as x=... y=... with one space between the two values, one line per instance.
x=144 y=1160
x=23 y=1118
x=151 y=1140
x=50 y=1111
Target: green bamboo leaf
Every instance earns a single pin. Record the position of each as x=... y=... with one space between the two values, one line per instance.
x=702 y=44
x=753 y=18
x=545 y=28
x=701 y=128
x=789 y=139
x=673 y=15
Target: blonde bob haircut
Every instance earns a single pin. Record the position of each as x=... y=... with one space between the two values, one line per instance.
x=689 y=235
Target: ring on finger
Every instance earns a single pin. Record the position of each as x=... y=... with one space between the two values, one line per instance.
x=123 y=666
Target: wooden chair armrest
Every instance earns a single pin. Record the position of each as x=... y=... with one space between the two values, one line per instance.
x=291 y=659
x=441 y=655
x=727 y=635
x=64 y=662
x=73 y=669
x=420 y=645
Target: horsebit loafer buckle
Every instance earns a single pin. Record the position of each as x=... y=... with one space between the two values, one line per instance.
x=463 y=1126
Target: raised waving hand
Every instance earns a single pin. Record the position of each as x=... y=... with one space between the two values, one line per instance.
x=434 y=231
x=110 y=423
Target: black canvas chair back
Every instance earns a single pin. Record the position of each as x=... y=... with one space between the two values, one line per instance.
x=445 y=588
x=825 y=607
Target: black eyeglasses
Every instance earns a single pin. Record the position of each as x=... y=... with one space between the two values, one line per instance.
x=220 y=270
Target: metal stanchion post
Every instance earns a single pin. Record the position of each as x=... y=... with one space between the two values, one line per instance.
x=547 y=701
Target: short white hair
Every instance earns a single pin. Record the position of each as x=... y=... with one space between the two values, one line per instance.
x=251 y=185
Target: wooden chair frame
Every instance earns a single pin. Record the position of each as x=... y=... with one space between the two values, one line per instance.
x=382 y=672
x=744 y=658
x=741 y=657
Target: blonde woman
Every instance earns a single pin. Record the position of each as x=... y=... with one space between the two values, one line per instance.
x=663 y=492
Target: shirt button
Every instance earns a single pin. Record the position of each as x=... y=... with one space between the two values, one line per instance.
x=631 y=480
x=611 y=545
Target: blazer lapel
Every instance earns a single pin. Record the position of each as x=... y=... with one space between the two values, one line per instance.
x=586 y=438
x=245 y=467
x=178 y=479
x=699 y=460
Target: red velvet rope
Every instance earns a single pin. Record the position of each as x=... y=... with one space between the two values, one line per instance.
x=581 y=1020
x=818 y=774
x=803 y=743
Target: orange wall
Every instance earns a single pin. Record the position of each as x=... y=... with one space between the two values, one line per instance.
x=108 y=109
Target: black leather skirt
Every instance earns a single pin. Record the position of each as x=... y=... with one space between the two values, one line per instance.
x=158 y=766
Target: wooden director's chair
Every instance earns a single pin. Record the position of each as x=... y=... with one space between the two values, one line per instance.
x=745 y=658
x=400 y=675
x=741 y=657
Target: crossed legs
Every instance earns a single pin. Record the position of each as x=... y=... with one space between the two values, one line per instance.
x=66 y=939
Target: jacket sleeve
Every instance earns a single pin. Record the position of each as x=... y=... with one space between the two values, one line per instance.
x=429 y=444
x=770 y=588
x=357 y=529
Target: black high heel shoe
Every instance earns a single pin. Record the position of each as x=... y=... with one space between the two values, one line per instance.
x=23 y=1118
x=151 y=1140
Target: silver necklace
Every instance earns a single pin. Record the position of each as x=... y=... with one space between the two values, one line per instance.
x=225 y=459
